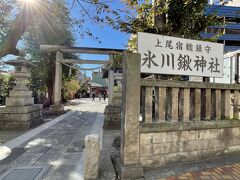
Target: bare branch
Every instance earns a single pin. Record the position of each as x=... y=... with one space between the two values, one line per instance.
x=85 y=11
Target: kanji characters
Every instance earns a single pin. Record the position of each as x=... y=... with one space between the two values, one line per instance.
x=208 y=49
x=200 y=63
x=179 y=45
x=169 y=59
x=198 y=48
x=149 y=59
x=169 y=44
x=189 y=47
x=214 y=65
x=158 y=43
x=184 y=62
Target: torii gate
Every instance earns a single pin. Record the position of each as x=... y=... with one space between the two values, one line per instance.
x=57 y=106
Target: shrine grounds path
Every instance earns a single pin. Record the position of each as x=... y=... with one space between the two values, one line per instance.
x=54 y=150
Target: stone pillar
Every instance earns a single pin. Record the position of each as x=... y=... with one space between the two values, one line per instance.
x=218 y=104
x=113 y=110
x=142 y=101
x=197 y=104
x=208 y=104
x=226 y=104
x=235 y=105
x=156 y=115
x=129 y=165
x=174 y=104
x=91 y=157
x=148 y=105
x=57 y=107
x=110 y=81
x=162 y=104
x=58 y=79
x=186 y=104
x=110 y=86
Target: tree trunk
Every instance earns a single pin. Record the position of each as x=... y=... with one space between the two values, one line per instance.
x=50 y=83
x=158 y=19
x=9 y=43
x=49 y=100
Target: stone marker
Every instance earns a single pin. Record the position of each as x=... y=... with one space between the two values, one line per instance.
x=91 y=157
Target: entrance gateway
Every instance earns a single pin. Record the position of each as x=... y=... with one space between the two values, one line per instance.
x=59 y=50
x=182 y=121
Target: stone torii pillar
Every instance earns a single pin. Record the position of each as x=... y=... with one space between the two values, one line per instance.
x=129 y=163
x=57 y=107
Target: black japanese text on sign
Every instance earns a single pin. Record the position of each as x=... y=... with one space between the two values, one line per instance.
x=170 y=55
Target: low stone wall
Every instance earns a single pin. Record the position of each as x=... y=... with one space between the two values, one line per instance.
x=167 y=143
x=19 y=118
x=112 y=118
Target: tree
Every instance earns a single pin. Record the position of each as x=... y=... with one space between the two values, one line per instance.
x=70 y=88
x=95 y=10
x=179 y=18
x=182 y=18
x=11 y=34
x=5 y=7
x=40 y=32
x=6 y=84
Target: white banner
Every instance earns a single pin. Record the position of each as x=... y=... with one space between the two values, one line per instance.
x=170 y=55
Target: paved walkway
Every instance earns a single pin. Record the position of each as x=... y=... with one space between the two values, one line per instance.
x=53 y=151
x=214 y=169
x=231 y=172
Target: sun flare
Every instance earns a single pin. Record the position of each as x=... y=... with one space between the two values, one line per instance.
x=27 y=1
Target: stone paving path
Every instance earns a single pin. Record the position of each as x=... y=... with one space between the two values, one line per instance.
x=221 y=168
x=230 y=172
x=58 y=150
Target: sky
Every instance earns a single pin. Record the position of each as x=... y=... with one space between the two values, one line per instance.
x=109 y=38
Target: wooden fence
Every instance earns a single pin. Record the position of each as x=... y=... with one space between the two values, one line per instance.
x=163 y=101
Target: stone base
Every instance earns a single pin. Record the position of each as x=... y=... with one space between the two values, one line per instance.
x=56 y=109
x=20 y=118
x=129 y=172
x=117 y=99
x=19 y=101
x=112 y=119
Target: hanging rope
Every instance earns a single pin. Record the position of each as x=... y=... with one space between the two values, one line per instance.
x=80 y=69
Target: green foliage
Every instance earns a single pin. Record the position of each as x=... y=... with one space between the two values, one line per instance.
x=182 y=18
x=72 y=85
x=6 y=84
x=5 y=16
x=70 y=88
x=53 y=29
x=116 y=63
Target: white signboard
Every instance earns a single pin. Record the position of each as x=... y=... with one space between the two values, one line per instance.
x=169 y=55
